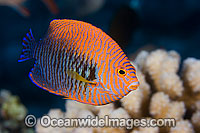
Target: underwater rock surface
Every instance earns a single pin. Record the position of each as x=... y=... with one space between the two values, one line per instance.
x=163 y=93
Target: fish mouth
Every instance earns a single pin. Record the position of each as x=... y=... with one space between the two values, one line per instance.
x=133 y=86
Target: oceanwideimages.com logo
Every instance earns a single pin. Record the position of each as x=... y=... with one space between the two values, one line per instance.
x=90 y=121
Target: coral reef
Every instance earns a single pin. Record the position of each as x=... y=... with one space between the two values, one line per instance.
x=191 y=73
x=162 y=66
x=196 y=120
x=163 y=93
x=183 y=126
x=162 y=107
x=146 y=129
x=54 y=113
x=12 y=114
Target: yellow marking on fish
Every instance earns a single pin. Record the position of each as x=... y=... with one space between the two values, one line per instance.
x=75 y=75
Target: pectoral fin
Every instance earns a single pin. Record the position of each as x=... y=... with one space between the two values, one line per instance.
x=75 y=75
x=66 y=97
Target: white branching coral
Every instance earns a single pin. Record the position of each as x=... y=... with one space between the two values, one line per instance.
x=196 y=120
x=140 y=96
x=162 y=66
x=159 y=104
x=162 y=107
x=12 y=113
x=78 y=110
x=153 y=63
x=141 y=60
x=71 y=104
x=191 y=78
x=117 y=113
x=134 y=108
x=170 y=84
x=182 y=126
x=172 y=62
x=197 y=105
x=85 y=114
x=110 y=130
x=77 y=106
x=191 y=73
x=73 y=108
x=53 y=113
x=144 y=86
x=105 y=110
x=146 y=130
x=82 y=130
x=11 y=107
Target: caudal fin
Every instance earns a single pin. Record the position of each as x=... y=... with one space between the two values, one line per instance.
x=28 y=46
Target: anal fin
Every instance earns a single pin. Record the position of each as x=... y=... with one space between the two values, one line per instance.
x=38 y=79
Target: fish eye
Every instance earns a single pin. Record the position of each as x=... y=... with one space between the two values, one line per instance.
x=121 y=72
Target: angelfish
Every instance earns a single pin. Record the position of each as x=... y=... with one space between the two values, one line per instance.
x=80 y=62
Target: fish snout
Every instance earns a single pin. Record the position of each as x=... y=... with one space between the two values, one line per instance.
x=133 y=85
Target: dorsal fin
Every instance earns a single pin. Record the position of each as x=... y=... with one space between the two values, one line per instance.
x=28 y=46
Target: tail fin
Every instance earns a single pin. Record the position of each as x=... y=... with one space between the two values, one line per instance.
x=28 y=46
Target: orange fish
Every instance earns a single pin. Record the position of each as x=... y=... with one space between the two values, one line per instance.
x=80 y=62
